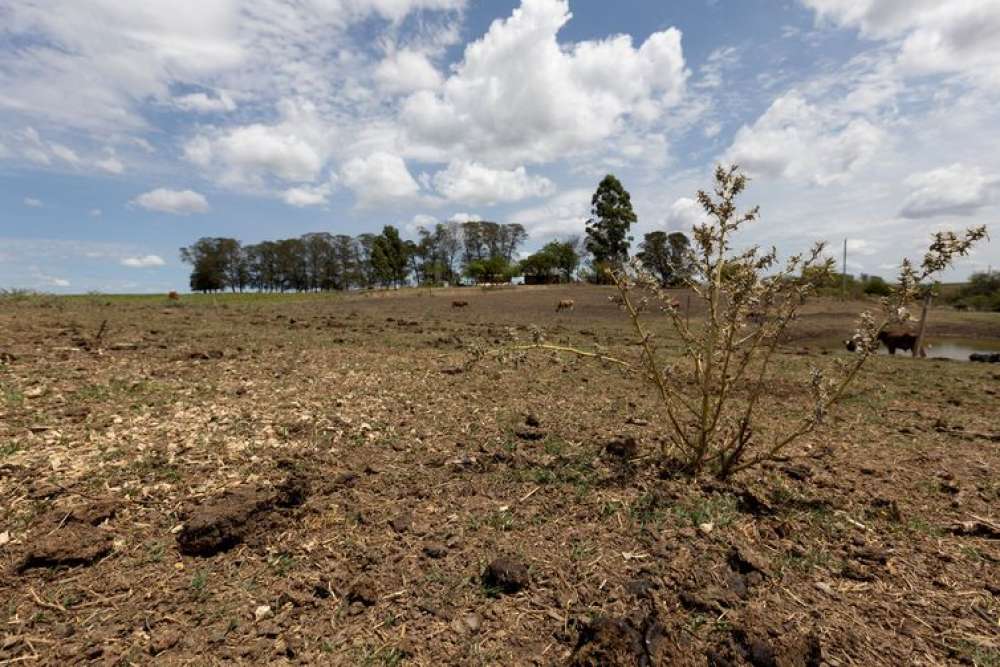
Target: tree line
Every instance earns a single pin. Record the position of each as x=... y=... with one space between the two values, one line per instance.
x=480 y=251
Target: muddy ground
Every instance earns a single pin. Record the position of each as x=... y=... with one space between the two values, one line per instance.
x=324 y=480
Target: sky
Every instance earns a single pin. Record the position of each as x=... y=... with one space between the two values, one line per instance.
x=131 y=129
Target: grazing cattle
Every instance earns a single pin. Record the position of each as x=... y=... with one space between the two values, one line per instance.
x=985 y=357
x=174 y=296
x=459 y=304
x=565 y=304
x=902 y=340
x=893 y=340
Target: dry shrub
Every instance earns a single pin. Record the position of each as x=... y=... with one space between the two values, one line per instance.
x=713 y=396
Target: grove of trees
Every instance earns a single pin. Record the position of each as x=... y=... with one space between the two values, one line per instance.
x=481 y=250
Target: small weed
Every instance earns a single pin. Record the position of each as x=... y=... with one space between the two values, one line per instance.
x=555 y=446
x=580 y=551
x=980 y=656
x=155 y=552
x=646 y=510
x=921 y=526
x=282 y=564
x=11 y=396
x=718 y=510
x=10 y=448
x=198 y=581
x=502 y=521
x=809 y=560
x=386 y=656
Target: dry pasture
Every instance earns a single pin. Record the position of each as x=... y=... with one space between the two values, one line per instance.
x=322 y=479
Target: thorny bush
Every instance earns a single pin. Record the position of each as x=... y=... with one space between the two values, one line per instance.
x=711 y=395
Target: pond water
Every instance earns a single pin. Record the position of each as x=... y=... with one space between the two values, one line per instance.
x=959 y=348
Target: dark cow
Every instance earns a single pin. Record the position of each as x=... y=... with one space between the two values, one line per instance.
x=894 y=340
x=459 y=304
x=985 y=357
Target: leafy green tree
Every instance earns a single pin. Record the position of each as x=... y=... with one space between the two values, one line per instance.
x=490 y=270
x=667 y=256
x=611 y=218
x=390 y=257
x=208 y=257
x=557 y=259
x=877 y=286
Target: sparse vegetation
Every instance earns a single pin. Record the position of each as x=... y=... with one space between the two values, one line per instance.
x=419 y=472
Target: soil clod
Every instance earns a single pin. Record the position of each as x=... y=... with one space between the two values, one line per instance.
x=227 y=520
x=622 y=446
x=74 y=544
x=506 y=575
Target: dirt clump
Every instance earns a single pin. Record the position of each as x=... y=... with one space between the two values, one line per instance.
x=622 y=446
x=73 y=544
x=506 y=575
x=775 y=648
x=627 y=642
x=230 y=518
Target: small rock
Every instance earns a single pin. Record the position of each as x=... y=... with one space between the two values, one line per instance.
x=363 y=593
x=164 y=640
x=262 y=612
x=706 y=527
x=346 y=479
x=826 y=588
x=435 y=550
x=401 y=523
x=268 y=629
x=743 y=559
x=506 y=575
x=35 y=392
x=473 y=622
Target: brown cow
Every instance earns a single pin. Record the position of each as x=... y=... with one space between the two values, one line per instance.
x=174 y=296
x=459 y=304
x=565 y=304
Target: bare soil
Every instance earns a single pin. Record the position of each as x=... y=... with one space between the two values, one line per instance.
x=328 y=480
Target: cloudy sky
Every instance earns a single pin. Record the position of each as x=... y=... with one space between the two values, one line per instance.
x=129 y=129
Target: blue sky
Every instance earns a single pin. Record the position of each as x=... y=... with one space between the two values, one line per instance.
x=128 y=129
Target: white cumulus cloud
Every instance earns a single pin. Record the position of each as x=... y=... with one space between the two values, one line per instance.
x=379 y=178
x=565 y=214
x=957 y=36
x=804 y=142
x=179 y=202
x=293 y=150
x=144 y=262
x=202 y=103
x=684 y=214
x=519 y=96
x=406 y=71
x=953 y=190
x=476 y=183
x=304 y=196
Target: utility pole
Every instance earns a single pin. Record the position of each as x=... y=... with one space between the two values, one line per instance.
x=843 y=274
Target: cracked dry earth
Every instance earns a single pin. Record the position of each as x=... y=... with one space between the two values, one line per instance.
x=322 y=480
